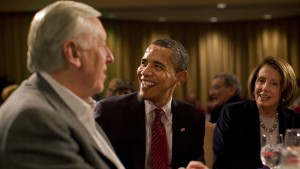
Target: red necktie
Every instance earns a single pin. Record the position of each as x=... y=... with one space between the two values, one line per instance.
x=159 y=145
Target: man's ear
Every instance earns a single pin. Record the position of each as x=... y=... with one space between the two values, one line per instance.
x=182 y=77
x=233 y=89
x=71 y=53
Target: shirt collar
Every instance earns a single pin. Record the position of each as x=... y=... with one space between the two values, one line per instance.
x=75 y=103
x=149 y=107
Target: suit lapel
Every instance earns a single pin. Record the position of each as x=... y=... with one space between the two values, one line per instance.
x=136 y=109
x=100 y=130
x=135 y=128
x=179 y=129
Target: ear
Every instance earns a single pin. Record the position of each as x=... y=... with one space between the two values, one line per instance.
x=71 y=53
x=182 y=77
x=233 y=89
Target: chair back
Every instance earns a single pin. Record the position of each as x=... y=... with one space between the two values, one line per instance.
x=208 y=143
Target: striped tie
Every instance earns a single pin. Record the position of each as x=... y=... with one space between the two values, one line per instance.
x=159 y=142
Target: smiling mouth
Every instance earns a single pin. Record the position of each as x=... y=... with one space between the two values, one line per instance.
x=264 y=96
x=147 y=84
x=213 y=98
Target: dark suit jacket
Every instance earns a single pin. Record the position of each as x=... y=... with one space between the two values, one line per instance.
x=39 y=131
x=123 y=120
x=237 y=135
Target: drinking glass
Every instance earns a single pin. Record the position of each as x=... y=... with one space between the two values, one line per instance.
x=271 y=147
x=291 y=153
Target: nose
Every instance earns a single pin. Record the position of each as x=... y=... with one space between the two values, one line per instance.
x=265 y=86
x=146 y=70
x=109 y=56
x=210 y=91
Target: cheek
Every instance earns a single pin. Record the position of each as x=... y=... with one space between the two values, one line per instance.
x=218 y=91
x=256 y=88
x=100 y=60
x=277 y=92
x=102 y=54
x=172 y=80
x=169 y=78
x=139 y=71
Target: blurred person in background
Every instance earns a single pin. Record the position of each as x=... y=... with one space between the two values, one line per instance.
x=113 y=83
x=8 y=90
x=224 y=89
x=193 y=100
x=124 y=87
x=4 y=82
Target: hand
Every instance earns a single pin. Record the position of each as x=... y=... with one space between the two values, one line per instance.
x=195 y=165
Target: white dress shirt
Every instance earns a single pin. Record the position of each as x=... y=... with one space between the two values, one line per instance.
x=167 y=121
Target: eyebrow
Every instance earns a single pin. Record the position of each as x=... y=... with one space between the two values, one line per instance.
x=276 y=80
x=155 y=62
x=159 y=63
x=260 y=77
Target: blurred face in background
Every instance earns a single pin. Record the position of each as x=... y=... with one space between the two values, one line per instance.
x=220 y=93
x=112 y=85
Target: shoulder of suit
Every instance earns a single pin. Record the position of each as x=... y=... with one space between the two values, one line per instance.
x=119 y=98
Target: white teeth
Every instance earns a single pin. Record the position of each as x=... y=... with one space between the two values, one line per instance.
x=264 y=96
x=147 y=83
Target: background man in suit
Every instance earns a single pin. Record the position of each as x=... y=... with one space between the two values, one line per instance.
x=225 y=88
x=127 y=119
x=48 y=121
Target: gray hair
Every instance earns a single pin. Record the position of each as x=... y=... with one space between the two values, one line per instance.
x=53 y=25
x=230 y=80
x=180 y=56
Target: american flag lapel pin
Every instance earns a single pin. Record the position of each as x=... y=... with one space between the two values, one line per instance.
x=182 y=129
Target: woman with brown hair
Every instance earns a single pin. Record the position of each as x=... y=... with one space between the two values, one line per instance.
x=237 y=135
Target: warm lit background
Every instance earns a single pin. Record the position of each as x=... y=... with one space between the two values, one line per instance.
x=232 y=39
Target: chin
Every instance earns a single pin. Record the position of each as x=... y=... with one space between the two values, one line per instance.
x=261 y=104
x=144 y=95
x=99 y=89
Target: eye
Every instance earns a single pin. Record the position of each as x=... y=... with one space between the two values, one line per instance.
x=159 y=66
x=275 y=84
x=143 y=62
x=260 y=80
x=215 y=87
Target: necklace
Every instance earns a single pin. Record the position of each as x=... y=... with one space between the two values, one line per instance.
x=274 y=125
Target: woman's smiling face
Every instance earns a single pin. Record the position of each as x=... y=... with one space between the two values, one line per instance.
x=268 y=88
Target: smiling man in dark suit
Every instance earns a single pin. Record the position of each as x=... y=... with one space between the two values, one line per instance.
x=128 y=119
x=48 y=121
